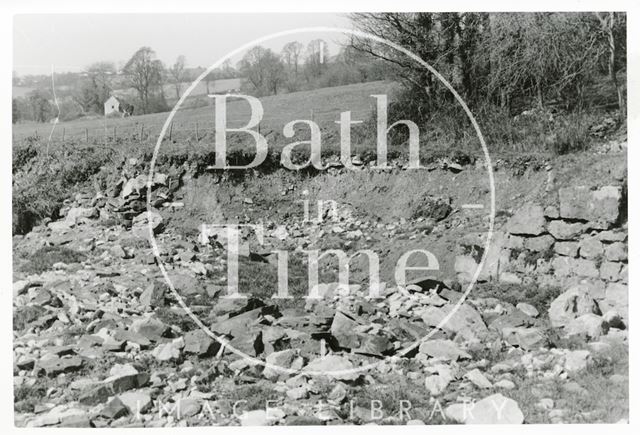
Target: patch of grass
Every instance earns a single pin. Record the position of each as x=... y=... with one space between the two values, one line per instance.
x=256 y=395
x=390 y=394
x=44 y=181
x=25 y=398
x=22 y=316
x=44 y=258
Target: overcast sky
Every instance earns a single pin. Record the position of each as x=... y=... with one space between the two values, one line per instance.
x=70 y=42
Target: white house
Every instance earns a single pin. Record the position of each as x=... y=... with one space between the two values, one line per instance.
x=112 y=105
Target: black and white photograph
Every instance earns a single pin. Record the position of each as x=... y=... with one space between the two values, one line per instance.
x=313 y=218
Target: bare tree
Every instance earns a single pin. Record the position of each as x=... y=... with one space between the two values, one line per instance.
x=144 y=72
x=608 y=23
x=291 y=55
x=317 y=56
x=263 y=69
x=177 y=73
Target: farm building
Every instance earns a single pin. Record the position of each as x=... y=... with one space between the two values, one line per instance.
x=112 y=105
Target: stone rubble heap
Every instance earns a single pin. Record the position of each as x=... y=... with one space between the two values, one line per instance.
x=104 y=342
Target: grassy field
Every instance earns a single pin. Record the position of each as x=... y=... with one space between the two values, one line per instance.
x=321 y=105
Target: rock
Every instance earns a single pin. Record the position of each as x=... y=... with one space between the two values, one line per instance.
x=21 y=287
x=141 y=223
x=590 y=325
x=528 y=309
x=569 y=249
x=189 y=407
x=600 y=206
x=298 y=393
x=612 y=236
x=528 y=220
x=302 y=420
x=95 y=394
x=505 y=384
x=571 y=304
x=586 y=268
x=478 y=379
x=199 y=343
x=562 y=230
x=610 y=271
x=591 y=247
x=118 y=252
x=374 y=345
x=137 y=402
x=282 y=359
x=494 y=409
x=149 y=327
x=465 y=321
x=55 y=365
x=114 y=409
x=153 y=296
x=343 y=330
x=524 y=338
x=76 y=213
x=576 y=360
x=551 y=212
x=169 y=351
x=436 y=384
x=616 y=252
x=186 y=284
x=256 y=417
x=613 y=319
x=545 y=404
x=617 y=297
x=332 y=366
x=445 y=349
x=465 y=267
x=540 y=243
x=566 y=266
x=433 y=207
x=337 y=394
x=123 y=378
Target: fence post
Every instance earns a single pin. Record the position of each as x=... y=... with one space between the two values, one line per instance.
x=170 y=130
x=115 y=135
x=63 y=131
x=86 y=135
x=141 y=131
x=197 y=139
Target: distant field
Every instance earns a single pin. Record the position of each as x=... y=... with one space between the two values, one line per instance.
x=321 y=105
x=215 y=86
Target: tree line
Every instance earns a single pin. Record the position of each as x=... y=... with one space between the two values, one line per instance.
x=506 y=60
x=262 y=70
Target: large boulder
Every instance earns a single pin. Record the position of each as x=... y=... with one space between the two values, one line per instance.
x=528 y=220
x=495 y=409
x=562 y=230
x=141 y=224
x=571 y=304
x=588 y=325
x=600 y=207
x=465 y=320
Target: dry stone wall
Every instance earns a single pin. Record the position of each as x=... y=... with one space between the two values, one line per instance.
x=581 y=240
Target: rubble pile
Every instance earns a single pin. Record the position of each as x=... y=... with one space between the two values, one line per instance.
x=105 y=342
